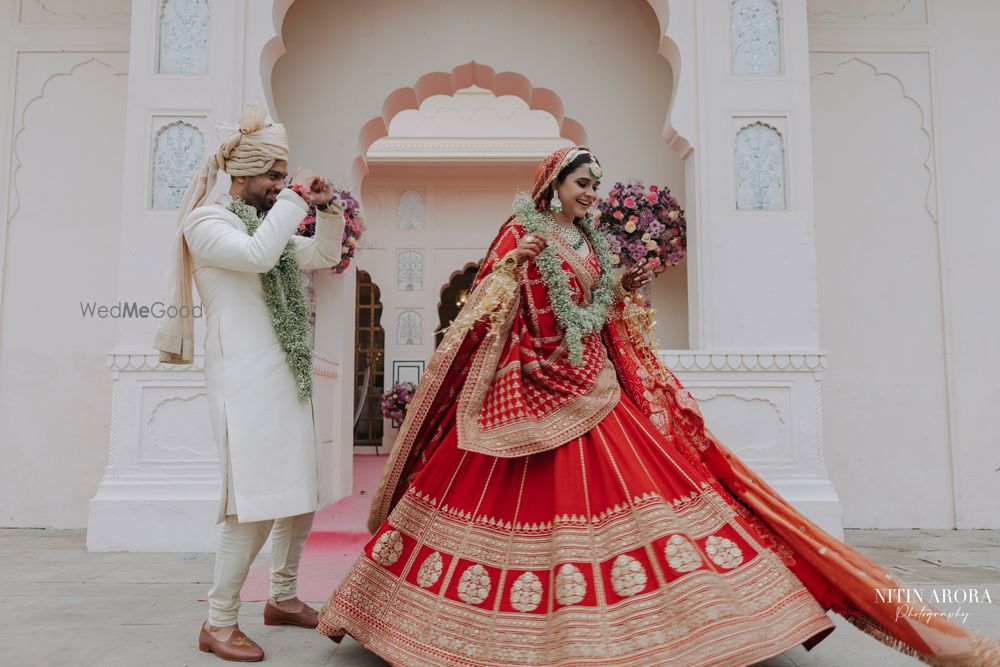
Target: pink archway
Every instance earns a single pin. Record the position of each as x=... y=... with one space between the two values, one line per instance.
x=447 y=83
x=511 y=83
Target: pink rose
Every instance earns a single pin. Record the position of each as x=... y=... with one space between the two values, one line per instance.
x=653 y=263
x=633 y=218
x=654 y=188
x=630 y=202
x=618 y=215
x=652 y=197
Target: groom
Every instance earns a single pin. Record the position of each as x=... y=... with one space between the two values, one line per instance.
x=257 y=362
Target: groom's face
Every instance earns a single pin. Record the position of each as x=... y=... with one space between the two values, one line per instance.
x=261 y=191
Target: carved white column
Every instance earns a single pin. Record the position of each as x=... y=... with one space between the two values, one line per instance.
x=757 y=364
x=160 y=490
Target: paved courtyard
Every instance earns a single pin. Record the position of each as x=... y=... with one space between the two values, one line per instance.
x=60 y=605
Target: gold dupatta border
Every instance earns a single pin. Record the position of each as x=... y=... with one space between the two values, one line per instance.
x=855 y=577
x=571 y=420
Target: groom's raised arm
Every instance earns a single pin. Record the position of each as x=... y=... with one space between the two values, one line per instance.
x=214 y=240
x=325 y=248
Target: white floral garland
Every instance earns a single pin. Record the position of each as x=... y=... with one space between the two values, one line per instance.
x=576 y=322
x=286 y=304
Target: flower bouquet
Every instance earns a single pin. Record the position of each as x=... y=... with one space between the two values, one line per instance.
x=642 y=223
x=395 y=400
x=354 y=228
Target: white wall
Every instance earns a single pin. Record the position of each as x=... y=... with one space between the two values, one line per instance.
x=63 y=102
x=905 y=144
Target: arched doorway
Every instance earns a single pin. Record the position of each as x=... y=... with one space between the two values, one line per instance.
x=369 y=367
x=453 y=297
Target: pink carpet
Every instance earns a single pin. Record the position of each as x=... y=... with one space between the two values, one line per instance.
x=338 y=535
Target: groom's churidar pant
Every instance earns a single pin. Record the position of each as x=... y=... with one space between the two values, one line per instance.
x=239 y=544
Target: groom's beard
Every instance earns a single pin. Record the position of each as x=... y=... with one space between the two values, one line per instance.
x=262 y=199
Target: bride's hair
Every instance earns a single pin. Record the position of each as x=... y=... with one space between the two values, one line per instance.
x=576 y=163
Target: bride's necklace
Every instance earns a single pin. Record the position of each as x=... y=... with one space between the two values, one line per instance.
x=571 y=235
x=575 y=321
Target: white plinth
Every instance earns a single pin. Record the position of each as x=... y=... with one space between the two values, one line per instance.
x=161 y=487
x=767 y=408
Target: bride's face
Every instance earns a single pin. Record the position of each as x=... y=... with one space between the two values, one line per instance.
x=578 y=192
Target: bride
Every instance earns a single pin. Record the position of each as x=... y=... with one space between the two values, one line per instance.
x=554 y=497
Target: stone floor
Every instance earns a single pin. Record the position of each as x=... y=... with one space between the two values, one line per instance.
x=60 y=605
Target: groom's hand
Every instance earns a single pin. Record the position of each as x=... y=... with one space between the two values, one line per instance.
x=321 y=191
x=315 y=190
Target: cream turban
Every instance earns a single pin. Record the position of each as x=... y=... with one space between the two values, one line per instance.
x=251 y=148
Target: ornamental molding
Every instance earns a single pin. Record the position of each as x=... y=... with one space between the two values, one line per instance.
x=853 y=13
x=911 y=70
x=74 y=13
x=150 y=361
x=761 y=431
x=680 y=360
x=66 y=64
x=171 y=430
x=406 y=150
x=695 y=361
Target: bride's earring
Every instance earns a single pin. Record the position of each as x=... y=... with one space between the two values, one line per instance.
x=556 y=204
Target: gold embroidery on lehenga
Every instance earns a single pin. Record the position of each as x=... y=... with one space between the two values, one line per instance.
x=628 y=576
x=571 y=585
x=430 y=570
x=639 y=629
x=388 y=548
x=723 y=552
x=526 y=593
x=681 y=555
x=475 y=584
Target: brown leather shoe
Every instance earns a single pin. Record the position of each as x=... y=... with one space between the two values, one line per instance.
x=238 y=648
x=305 y=617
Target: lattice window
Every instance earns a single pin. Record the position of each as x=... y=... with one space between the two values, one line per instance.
x=177 y=154
x=756 y=37
x=410 y=271
x=760 y=168
x=411 y=210
x=408 y=328
x=183 y=37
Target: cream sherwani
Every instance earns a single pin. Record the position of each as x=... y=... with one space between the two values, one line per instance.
x=263 y=431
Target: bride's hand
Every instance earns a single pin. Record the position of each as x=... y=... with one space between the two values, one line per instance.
x=638 y=276
x=529 y=247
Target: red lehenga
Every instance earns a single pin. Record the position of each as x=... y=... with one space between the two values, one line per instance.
x=534 y=512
